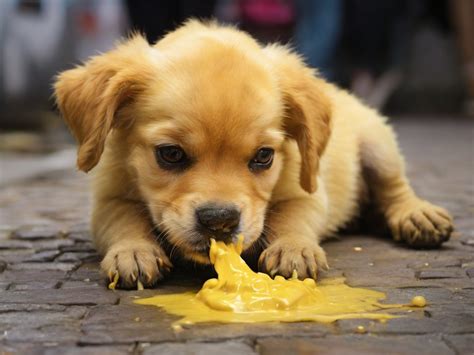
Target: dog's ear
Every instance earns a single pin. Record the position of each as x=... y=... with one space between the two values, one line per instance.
x=90 y=95
x=307 y=110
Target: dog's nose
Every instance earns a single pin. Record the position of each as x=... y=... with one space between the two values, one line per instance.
x=218 y=220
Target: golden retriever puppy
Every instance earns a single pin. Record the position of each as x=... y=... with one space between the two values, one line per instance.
x=208 y=134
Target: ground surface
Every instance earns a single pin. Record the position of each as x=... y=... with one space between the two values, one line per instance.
x=53 y=299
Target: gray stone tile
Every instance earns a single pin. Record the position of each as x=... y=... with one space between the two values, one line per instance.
x=32 y=275
x=463 y=344
x=445 y=273
x=40 y=318
x=224 y=348
x=76 y=296
x=77 y=257
x=89 y=350
x=35 y=232
x=355 y=344
x=45 y=266
x=43 y=256
x=34 y=285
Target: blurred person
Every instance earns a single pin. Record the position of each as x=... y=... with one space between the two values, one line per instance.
x=317 y=33
x=267 y=20
x=157 y=17
x=463 y=11
x=376 y=34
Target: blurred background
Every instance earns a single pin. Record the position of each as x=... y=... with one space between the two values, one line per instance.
x=408 y=58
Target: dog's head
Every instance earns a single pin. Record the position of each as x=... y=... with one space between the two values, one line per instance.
x=198 y=121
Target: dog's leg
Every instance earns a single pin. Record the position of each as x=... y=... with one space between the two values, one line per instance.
x=123 y=233
x=411 y=219
x=293 y=228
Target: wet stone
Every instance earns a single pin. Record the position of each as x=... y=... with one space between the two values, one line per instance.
x=224 y=348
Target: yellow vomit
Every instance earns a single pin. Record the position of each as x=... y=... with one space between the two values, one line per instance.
x=239 y=295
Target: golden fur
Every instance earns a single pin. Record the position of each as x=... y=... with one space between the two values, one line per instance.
x=221 y=96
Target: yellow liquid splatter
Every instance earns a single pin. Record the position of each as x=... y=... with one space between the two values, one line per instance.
x=239 y=295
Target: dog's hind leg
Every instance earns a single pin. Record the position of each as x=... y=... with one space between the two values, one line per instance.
x=411 y=219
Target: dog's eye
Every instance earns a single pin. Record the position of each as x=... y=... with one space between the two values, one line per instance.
x=262 y=160
x=171 y=157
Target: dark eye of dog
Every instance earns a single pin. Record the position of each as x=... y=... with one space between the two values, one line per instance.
x=262 y=160
x=171 y=157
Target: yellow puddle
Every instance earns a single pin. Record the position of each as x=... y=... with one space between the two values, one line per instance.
x=239 y=295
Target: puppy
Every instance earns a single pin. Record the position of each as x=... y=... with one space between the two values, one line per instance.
x=208 y=134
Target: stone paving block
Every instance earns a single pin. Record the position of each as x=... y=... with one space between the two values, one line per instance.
x=416 y=323
x=386 y=277
x=35 y=232
x=462 y=344
x=36 y=319
x=49 y=334
x=470 y=273
x=89 y=350
x=85 y=247
x=45 y=266
x=355 y=344
x=83 y=284
x=21 y=348
x=74 y=296
x=32 y=275
x=441 y=262
x=33 y=285
x=76 y=257
x=28 y=307
x=42 y=256
x=52 y=244
x=11 y=256
x=88 y=271
x=217 y=332
x=446 y=273
x=225 y=348
x=15 y=244
x=404 y=295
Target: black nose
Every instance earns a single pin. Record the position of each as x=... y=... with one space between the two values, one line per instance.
x=218 y=220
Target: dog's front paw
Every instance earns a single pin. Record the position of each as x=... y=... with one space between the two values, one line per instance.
x=421 y=224
x=284 y=256
x=128 y=264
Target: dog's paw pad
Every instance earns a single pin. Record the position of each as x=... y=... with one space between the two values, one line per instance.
x=283 y=259
x=422 y=226
x=136 y=267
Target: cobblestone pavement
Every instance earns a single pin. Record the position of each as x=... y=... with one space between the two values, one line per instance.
x=54 y=301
